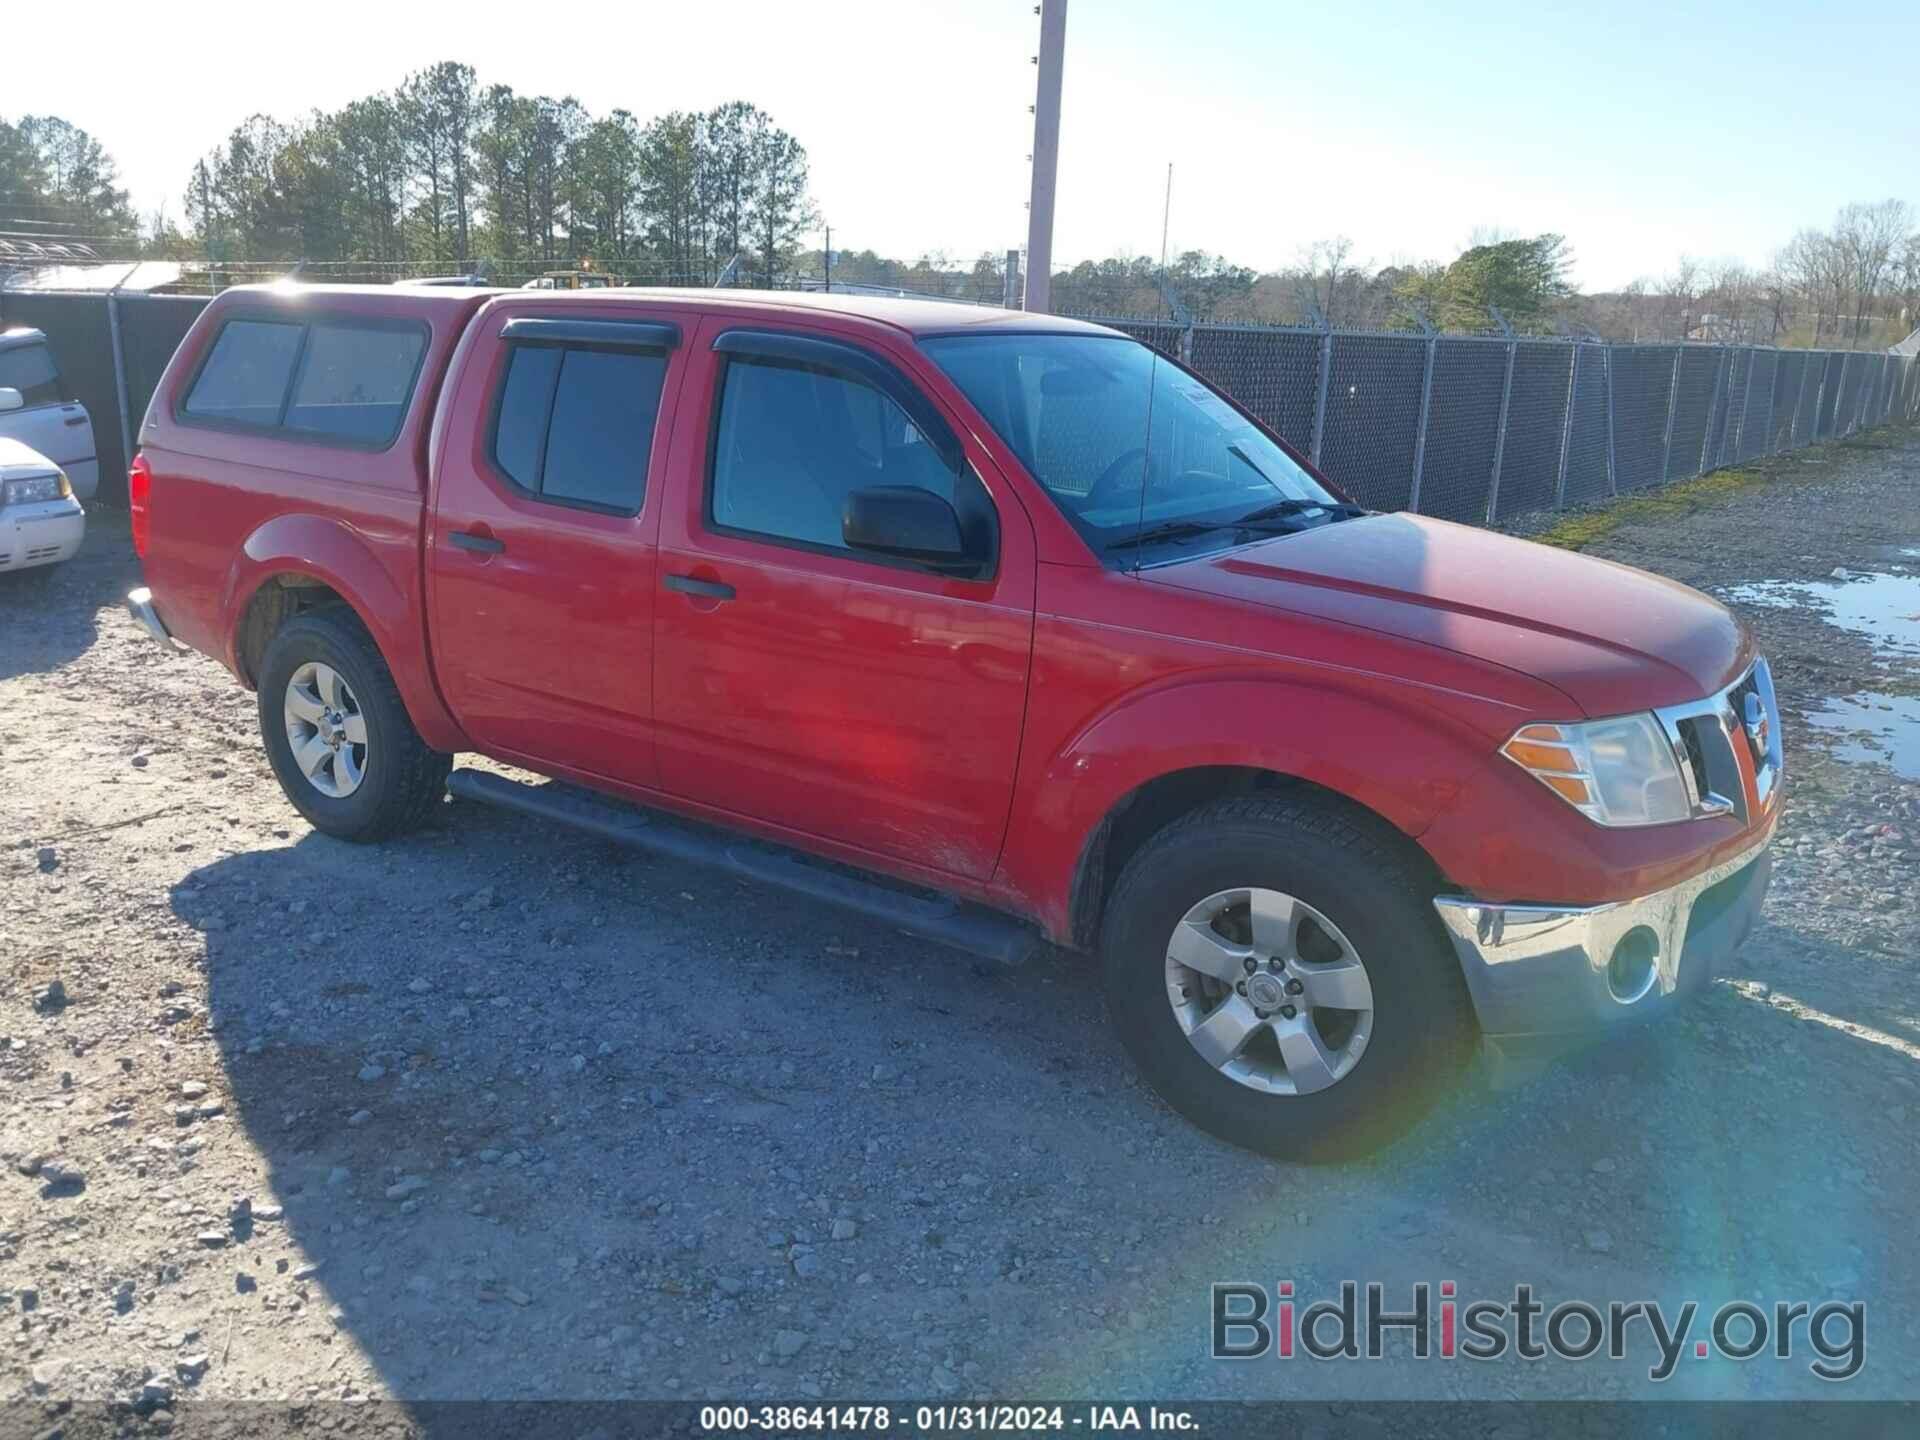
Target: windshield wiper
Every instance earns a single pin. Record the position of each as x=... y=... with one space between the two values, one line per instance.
x=1171 y=531
x=1282 y=509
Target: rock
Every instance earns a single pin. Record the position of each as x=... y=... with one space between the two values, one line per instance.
x=845 y=1229
x=406 y=1185
x=339 y=1175
x=481 y=899
x=50 y=997
x=212 y=1239
x=359 y=1118
x=659 y=1099
x=517 y=1295
x=307 y=1271
x=241 y=1209
x=268 y=1212
x=788 y=1343
x=48 y=859
x=1603 y=1166
x=370 y=1072
x=420 y=985
x=192 y=1089
x=62 y=1177
x=730 y=1285
x=191 y=1367
x=1599 y=1241
x=884 y=1073
x=806 y=1264
x=47 y=1374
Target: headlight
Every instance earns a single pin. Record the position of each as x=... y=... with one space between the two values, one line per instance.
x=1615 y=772
x=40 y=487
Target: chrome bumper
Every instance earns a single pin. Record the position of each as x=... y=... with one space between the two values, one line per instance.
x=1548 y=970
x=140 y=606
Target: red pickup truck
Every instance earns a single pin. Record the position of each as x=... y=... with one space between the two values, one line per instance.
x=997 y=626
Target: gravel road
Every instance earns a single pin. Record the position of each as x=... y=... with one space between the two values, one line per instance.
x=499 y=1111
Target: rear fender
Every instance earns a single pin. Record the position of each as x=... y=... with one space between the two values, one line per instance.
x=380 y=585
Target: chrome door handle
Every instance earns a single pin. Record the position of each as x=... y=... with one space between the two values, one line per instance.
x=479 y=544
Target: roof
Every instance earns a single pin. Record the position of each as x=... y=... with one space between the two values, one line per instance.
x=20 y=461
x=143 y=276
x=915 y=317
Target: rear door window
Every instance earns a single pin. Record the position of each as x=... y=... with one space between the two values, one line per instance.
x=355 y=381
x=30 y=370
x=574 y=424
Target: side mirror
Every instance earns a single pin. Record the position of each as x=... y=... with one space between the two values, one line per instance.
x=11 y=399
x=910 y=524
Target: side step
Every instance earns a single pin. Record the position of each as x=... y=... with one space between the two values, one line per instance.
x=970 y=928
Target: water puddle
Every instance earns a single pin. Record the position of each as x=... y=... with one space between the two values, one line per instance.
x=1883 y=728
x=1883 y=607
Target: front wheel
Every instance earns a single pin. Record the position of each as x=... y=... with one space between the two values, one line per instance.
x=338 y=736
x=1274 y=968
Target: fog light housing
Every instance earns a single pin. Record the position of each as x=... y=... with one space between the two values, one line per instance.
x=1631 y=970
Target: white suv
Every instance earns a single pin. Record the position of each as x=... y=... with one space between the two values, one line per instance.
x=38 y=410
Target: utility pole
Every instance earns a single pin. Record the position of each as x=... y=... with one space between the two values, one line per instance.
x=826 y=263
x=1046 y=152
x=1166 y=216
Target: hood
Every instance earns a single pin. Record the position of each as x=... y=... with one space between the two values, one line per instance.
x=20 y=461
x=1611 y=638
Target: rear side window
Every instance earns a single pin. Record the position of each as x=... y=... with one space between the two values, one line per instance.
x=29 y=369
x=355 y=381
x=574 y=425
x=341 y=381
x=244 y=380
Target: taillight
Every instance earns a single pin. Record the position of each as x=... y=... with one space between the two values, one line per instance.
x=139 y=502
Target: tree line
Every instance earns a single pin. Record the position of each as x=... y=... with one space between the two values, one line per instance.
x=59 y=185
x=445 y=171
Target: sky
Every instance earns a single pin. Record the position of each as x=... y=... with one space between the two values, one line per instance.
x=1641 y=131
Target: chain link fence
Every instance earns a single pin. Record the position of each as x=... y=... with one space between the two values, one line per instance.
x=1481 y=428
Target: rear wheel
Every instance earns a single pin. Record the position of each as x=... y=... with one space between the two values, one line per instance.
x=1274 y=968
x=337 y=734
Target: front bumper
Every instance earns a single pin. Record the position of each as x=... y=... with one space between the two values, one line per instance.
x=1536 y=970
x=42 y=533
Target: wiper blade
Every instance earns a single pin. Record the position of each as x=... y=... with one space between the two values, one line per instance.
x=1282 y=509
x=1172 y=530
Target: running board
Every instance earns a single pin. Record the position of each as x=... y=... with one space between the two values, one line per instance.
x=970 y=928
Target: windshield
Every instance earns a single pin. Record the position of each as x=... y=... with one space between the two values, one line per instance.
x=1144 y=459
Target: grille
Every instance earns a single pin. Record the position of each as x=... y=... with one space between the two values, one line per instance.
x=1706 y=732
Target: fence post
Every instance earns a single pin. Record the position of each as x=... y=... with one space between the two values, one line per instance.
x=1613 y=481
x=1746 y=406
x=1673 y=401
x=1800 y=401
x=1566 y=427
x=1320 y=399
x=119 y=376
x=1715 y=407
x=1500 y=438
x=1420 y=441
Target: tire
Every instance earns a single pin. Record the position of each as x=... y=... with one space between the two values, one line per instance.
x=1352 y=885
x=396 y=780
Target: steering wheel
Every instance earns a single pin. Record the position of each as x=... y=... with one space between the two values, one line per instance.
x=1100 y=493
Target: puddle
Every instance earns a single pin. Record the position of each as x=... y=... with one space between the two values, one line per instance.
x=1885 y=728
x=1884 y=608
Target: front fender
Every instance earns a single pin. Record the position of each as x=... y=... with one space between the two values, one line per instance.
x=375 y=568
x=1401 y=753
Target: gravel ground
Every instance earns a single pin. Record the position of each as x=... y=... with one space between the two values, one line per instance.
x=499 y=1111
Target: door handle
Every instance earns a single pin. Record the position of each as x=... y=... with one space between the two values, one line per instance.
x=479 y=544
x=76 y=420
x=693 y=585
